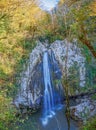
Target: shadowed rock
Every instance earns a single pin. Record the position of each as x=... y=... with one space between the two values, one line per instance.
x=31 y=90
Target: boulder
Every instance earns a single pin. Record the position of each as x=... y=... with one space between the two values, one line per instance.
x=84 y=110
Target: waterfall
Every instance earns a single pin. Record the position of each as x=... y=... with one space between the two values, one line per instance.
x=48 y=103
x=51 y=98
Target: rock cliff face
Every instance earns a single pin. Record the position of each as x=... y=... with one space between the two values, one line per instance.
x=60 y=49
x=31 y=90
x=84 y=110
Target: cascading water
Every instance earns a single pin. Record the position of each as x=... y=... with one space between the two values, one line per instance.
x=50 y=100
x=48 y=104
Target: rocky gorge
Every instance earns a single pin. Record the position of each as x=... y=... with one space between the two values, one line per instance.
x=31 y=91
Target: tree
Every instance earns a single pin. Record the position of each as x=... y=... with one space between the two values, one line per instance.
x=80 y=21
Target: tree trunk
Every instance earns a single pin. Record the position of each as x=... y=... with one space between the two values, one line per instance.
x=86 y=42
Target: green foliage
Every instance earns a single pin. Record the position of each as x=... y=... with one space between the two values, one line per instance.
x=9 y=83
x=50 y=37
x=7 y=112
x=94 y=97
x=73 y=78
x=90 y=125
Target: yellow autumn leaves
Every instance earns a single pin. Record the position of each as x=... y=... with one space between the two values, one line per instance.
x=93 y=8
x=16 y=19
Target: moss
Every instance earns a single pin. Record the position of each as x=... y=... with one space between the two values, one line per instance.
x=94 y=97
x=90 y=125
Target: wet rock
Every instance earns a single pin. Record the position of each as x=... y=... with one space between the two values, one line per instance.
x=31 y=82
x=84 y=110
x=74 y=55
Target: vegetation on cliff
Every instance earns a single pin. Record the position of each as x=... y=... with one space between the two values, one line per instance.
x=22 y=23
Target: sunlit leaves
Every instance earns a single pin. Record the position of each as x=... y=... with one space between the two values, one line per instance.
x=93 y=8
x=17 y=21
